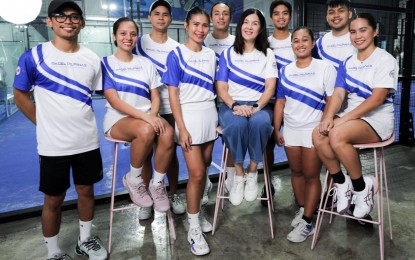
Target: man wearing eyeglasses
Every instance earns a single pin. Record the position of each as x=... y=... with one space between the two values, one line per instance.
x=61 y=75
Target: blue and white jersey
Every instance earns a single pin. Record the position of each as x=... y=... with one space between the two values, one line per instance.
x=157 y=54
x=283 y=50
x=192 y=72
x=133 y=82
x=359 y=78
x=246 y=74
x=218 y=45
x=63 y=84
x=334 y=49
x=305 y=91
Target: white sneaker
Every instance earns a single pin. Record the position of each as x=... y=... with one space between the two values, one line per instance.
x=343 y=195
x=251 y=186
x=236 y=195
x=145 y=213
x=363 y=200
x=198 y=244
x=298 y=217
x=177 y=204
x=92 y=248
x=204 y=223
x=301 y=232
x=206 y=192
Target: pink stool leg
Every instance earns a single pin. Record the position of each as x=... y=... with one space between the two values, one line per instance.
x=114 y=177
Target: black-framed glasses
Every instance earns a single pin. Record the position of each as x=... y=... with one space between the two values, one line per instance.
x=61 y=18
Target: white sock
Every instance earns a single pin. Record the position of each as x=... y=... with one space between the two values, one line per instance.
x=84 y=230
x=230 y=174
x=135 y=175
x=52 y=244
x=193 y=219
x=158 y=178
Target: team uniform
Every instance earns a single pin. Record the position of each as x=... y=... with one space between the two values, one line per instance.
x=334 y=49
x=282 y=50
x=379 y=70
x=218 y=45
x=157 y=54
x=193 y=73
x=305 y=91
x=133 y=82
x=246 y=75
x=63 y=84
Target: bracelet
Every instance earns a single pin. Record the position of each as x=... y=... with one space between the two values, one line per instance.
x=234 y=104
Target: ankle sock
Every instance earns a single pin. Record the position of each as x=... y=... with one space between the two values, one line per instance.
x=84 y=230
x=193 y=219
x=52 y=244
x=230 y=174
x=339 y=177
x=307 y=219
x=135 y=175
x=158 y=178
x=359 y=184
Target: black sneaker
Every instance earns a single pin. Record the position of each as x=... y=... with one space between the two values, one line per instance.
x=358 y=221
x=264 y=195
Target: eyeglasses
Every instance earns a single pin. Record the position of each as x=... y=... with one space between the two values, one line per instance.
x=61 y=18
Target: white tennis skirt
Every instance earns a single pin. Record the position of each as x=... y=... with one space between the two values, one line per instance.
x=201 y=120
x=301 y=138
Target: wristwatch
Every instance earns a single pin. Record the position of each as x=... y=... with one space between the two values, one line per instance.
x=234 y=104
x=256 y=107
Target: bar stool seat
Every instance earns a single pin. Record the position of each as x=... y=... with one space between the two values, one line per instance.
x=220 y=195
x=381 y=177
x=113 y=208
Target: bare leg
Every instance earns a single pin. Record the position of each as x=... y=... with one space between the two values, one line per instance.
x=311 y=167
x=294 y=156
x=52 y=214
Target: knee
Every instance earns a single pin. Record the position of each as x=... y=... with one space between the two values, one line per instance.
x=318 y=139
x=336 y=139
x=54 y=203
x=197 y=176
x=145 y=134
x=85 y=191
x=297 y=173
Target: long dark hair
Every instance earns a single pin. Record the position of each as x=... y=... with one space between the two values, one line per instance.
x=261 y=41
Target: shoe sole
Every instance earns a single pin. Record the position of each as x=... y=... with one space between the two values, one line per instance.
x=195 y=252
x=124 y=181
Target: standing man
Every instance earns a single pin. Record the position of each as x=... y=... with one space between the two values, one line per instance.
x=335 y=46
x=156 y=46
x=219 y=40
x=61 y=75
x=280 y=43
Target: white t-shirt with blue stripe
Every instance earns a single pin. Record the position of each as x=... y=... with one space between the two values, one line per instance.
x=218 y=45
x=335 y=49
x=246 y=74
x=192 y=72
x=157 y=54
x=133 y=82
x=305 y=91
x=63 y=84
x=283 y=50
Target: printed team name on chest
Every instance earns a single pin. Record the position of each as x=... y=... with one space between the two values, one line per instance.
x=198 y=60
x=246 y=60
x=135 y=68
x=156 y=50
x=339 y=45
x=361 y=67
x=68 y=64
x=304 y=74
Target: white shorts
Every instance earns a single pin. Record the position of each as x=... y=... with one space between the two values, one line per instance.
x=381 y=126
x=201 y=120
x=294 y=137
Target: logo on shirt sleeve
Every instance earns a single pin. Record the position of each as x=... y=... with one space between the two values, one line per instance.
x=392 y=74
x=18 y=71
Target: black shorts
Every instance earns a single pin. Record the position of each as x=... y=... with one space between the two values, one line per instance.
x=55 y=171
x=170 y=119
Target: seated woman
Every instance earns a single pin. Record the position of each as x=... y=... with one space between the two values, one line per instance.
x=246 y=80
x=130 y=86
x=369 y=78
x=303 y=88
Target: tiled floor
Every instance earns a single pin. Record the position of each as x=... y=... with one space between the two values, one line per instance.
x=243 y=231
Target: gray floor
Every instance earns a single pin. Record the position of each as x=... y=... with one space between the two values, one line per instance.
x=243 y=231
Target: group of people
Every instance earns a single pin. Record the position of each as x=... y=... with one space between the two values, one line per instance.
x=315 y=98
